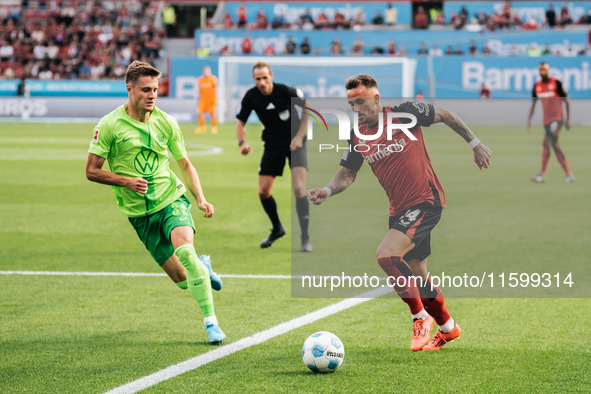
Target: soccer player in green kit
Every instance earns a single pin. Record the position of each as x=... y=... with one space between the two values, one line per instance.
x=135 y=139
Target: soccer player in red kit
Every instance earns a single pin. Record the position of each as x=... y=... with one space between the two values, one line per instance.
x=552 y=94
x=404 y=170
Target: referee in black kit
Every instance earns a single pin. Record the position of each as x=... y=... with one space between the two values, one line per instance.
x=272 y=103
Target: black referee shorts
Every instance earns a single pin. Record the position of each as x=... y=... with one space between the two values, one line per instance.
x=417 y=222
x=273 y=160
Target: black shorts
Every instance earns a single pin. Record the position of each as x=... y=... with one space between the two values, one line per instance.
x=273 y=160
x=417 y=222
x=552 y=130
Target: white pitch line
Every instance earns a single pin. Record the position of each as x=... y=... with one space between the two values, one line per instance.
x=255 y=339
x=62 y=273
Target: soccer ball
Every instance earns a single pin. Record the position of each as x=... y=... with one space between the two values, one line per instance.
x=323 y=352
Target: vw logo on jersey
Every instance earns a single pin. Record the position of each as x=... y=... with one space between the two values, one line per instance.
x=146 y=162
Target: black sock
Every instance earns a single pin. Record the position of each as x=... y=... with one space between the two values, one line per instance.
x=271 y=209
x=303 y=210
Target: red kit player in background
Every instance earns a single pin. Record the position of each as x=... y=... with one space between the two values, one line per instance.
x=404 y=170
x=551 y=94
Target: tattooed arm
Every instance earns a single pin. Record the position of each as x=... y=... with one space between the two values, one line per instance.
x=342 y=180
x=481 y=152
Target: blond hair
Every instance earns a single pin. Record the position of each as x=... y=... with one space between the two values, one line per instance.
x=139 y=69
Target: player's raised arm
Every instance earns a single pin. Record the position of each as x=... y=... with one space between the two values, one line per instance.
x=341 y=181
x=481 y=152
x=245 y=149
x=95 y=173
x=194 y=185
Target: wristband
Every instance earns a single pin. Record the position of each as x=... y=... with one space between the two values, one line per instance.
x=474 y=143
x=240 y=142
x=327 y=190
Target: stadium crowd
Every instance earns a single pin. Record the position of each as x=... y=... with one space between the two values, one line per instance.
x=507 y=18
x=76 y=39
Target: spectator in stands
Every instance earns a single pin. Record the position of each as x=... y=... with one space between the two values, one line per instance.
x=486 y=49
x=360 y=18
x=437 y=17
x=531 y=24
x=169 y=20
x=378 y=20
x=269 y=50
x=473 y=26
x=241 y=15
x=340 y=22
x=588 y=18
x=262 y=21
x=163 y=86
x=335 y=47
x=546 y=50
x=225 y=51
x=565 y=18
x=322 y=22
x=305 y=48
x=227 y=21
x=484 y=91
x=551 y=16
x=459 y=50
x=391 y=15
x=278 y=22
x=533 y=50
x=246 y=45
x=472 y=50
x=391 y=50
x=402 y=52
x=421 y=19
x=449 y=50
x=306 y=17
x=290 y=46
x=423 y=49
x=461 y=18
x=435 y=51
x=358 y=45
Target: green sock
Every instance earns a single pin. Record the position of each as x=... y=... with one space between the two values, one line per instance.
x=182 y=285
x=197 y=278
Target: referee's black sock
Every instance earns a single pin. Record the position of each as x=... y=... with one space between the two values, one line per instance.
x=303 y=210
x=270 y=207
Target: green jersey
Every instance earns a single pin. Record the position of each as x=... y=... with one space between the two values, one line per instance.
x=135 y=149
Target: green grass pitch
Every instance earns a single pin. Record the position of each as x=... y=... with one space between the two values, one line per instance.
x=94 y=333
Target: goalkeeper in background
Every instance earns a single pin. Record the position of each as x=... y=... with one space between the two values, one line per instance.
x=135 y=139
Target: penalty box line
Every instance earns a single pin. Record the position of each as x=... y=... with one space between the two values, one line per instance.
x=252 y=340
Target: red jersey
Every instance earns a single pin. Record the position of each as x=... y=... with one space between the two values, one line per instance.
x=550 y=93
x=401 y=165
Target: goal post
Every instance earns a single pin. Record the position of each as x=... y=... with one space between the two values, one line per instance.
x=316 y=76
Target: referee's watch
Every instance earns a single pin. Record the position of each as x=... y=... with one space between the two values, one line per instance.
x=240 y=142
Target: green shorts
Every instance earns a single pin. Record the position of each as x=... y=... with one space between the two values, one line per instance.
x=154 y=230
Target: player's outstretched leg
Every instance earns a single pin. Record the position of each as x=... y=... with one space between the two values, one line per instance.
x=198 y=282
x=541 y=177
x=402 y=280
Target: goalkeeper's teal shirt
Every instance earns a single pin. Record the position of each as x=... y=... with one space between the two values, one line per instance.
x=136 y=149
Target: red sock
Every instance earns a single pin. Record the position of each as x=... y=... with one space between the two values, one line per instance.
x=545 y=160
x=434 y=302
x=396 y=267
